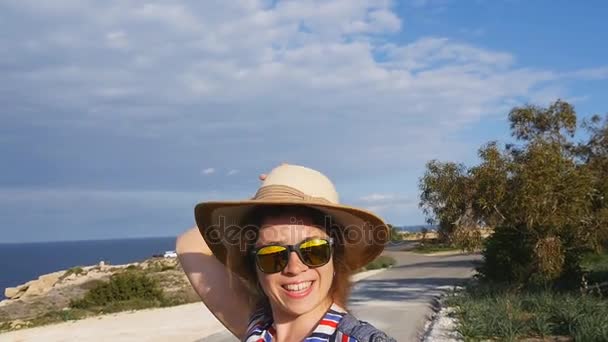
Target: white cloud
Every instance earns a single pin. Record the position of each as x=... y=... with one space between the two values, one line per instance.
x=152 y=88
x=391 y=205
x=434 y=52
x=232 y=172
x=173 y=15
x=377 y=197
x=214 y=71
x=600 y=73
x=117 y=39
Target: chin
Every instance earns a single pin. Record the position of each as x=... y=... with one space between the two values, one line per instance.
x=302 y=302
x=300 y=308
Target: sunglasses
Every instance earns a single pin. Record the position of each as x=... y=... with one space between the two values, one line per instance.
x=274 y=258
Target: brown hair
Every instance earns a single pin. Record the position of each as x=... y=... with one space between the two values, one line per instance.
x=340 y=288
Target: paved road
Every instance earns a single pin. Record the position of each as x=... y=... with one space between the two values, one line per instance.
x=399 y=299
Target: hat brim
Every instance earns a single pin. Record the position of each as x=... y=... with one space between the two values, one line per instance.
x=364 y=233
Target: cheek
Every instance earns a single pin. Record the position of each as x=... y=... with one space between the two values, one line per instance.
x=327 y=272
x=266 y=280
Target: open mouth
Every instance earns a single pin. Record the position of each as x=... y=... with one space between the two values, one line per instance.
x=299 y=287
x=298 y=290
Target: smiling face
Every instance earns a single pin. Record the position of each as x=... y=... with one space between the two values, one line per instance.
x=297 y=289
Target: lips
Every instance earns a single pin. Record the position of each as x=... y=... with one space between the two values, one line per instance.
x=298 y=290
x=297 y=287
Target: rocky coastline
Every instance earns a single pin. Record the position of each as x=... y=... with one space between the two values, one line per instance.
x=53 y=292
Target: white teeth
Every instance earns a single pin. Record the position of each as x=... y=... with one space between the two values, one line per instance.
x=298 y=286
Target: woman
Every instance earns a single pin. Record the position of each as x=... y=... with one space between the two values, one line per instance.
x=277 y=267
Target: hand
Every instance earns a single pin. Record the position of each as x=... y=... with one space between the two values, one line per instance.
x=262 y=176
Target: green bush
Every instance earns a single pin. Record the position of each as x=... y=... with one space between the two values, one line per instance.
x=132 y=304
x=58 y=316
x=435 y=245
x=167 y=268
x=595 y=265
x=159 y=266
x=382 y=261
x=122 y=287
x=507 y=256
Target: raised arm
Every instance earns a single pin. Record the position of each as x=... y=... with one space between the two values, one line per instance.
x=222 y=292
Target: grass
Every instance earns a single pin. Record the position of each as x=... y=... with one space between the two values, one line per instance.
x=382 y=261
x=434 y=246
x=59 y=316
x=596 y=266
x=484 y=313
x=491 y=312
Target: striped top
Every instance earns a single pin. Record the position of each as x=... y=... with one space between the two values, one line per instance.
x=261 y=329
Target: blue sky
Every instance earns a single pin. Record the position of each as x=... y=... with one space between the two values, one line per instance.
x=119 y=116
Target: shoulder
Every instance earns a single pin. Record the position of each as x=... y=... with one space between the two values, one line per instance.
x=361 y=331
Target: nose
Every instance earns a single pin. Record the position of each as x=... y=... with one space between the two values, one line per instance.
x=294 y=264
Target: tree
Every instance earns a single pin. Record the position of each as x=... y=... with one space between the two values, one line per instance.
x=491 y=178
x=446 y=197
x=594 y=155
x=545 y=196
x=555 y=123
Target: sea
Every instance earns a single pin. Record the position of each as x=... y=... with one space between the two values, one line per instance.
x=22 y=262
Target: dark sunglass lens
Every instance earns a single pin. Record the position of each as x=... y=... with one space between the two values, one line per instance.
x=272 y=259
x=315 y=252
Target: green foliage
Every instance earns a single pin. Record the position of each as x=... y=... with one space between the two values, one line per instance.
x=595 y=268
x=131 y=304
x=167 y=268
x=594 y=154
x=159 y=266
x=127 y=286
x=555 y=123
x=546 y=198
x=595 y=262
x=497 y=313
x=382 y=261
x=507 y=256
x=446 y=195
x=133 y=268
x=432 y=246
x=59 y=316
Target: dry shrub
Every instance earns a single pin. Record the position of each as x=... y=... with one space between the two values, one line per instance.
x=549 y=257
x=467 y=239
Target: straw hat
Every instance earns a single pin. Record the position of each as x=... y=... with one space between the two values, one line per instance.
x=221 y=222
